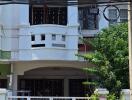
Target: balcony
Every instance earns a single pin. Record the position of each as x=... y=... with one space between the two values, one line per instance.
x=47 y=42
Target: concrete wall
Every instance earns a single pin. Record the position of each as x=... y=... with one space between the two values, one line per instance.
x=21 y=67
x=16 y=34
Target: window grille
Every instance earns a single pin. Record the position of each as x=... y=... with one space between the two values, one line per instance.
x=40 y=14
x=123 y=15
x=87 y=20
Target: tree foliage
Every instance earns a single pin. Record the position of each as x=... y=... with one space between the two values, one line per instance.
x=110 y=57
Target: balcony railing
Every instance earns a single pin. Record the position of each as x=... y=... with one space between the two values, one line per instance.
x=48 y=36
x=45 y=39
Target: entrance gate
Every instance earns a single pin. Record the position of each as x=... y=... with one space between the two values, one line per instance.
x=42 y=87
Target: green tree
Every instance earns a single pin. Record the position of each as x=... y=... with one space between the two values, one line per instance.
x=110 y=57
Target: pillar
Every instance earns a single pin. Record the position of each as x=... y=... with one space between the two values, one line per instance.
x=14 y=84
x=102 y=93
x=72 y=32
x=66 y=87
x=72 y=15
x=125 y=94
x=24 y=15
x=3 y=93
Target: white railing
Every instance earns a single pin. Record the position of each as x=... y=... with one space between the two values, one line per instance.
x=46 y=98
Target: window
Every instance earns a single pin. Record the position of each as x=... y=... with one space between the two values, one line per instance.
x=41 y=14
x=42 y=37
x=87 y=19
x=32 y=37
x=123 y=15
x=63 y=37
x=53 y=37
x=113 y=13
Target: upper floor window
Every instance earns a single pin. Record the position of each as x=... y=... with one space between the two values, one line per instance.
x=87 y=20
x=41 y=14
x=113 y=13
x=123 y=15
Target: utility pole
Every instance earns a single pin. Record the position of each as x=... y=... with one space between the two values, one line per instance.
x=130 y=45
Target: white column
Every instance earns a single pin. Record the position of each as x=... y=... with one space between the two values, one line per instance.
x=14 y=84
x=72 y=33
x=24 y=33
x=66 y=87
x=102 y=93
x=3 y=94
x=73 y=15
x=24 y=14
x=125 y=94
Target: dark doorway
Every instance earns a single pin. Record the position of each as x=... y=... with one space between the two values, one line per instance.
x=42 y=87
x=77 y=88
x=3 y=83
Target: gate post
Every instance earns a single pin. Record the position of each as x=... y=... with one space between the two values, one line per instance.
x=102 y=93
x=125 y=94
x=3 y=94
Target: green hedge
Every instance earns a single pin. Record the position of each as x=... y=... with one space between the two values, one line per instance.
x=5 y=54
x=5 y=69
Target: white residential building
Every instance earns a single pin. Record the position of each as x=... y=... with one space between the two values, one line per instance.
x=39 y=43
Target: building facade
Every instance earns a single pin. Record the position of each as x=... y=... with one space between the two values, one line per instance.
x=39 y=43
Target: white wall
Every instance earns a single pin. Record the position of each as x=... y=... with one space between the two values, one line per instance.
x=23 y=66
x=9 y=22
x=48 y=52
x=103 y=23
